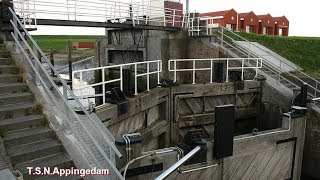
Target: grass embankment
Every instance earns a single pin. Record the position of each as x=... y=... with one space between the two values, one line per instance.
x=303 y=51
x=59 y=42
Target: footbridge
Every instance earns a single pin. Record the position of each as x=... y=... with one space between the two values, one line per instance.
x=102 y=14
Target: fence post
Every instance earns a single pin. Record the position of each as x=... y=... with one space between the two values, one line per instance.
x=315 y=94
x=52 y=62
x=173 y=18
x=70 y=62
x=36 y=64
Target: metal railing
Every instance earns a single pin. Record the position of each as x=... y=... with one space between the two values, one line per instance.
x=105 y=145
x=99 y=11
x=172 y=66
x=157 y=69
x=198 y=24
x=280 y=68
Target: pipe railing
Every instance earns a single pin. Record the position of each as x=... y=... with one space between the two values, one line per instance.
x=269 y=67
x=173 y=66
x=279 y=68
x=152 y=67
x=100 y=11
x=60 y=100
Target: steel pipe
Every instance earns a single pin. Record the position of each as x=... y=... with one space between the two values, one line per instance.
x=179 y=163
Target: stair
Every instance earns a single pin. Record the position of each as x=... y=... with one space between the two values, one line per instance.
x=23 y=127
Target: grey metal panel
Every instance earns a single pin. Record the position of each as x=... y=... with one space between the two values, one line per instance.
x=57 y=22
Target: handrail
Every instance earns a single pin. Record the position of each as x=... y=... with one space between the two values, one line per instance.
x=104 y=82
x=271 y=63
x=244 y=61
x=272 y=69
x=66 y=90
x=270 y=54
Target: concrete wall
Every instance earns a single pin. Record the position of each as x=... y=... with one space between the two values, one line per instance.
x=311 y=159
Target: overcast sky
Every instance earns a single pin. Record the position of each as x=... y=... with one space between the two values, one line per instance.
x=303 y=15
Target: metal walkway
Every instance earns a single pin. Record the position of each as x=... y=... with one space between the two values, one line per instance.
x=98 y=13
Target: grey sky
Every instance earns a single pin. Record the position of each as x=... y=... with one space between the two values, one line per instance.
x=303 y=15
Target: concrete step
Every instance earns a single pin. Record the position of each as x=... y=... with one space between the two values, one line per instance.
x=15 y=124
x=7 y=69
x=16 y=98
x=16 y=110
x=274 y=76
x=9 y=78
x=289 y=85
x=12 y=88
x=60 y=160
x=25 y=136
x=38 y=149
x=6 y=61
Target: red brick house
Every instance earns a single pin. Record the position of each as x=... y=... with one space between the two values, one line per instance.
x=173 y=12
x=281 y=26
x=248 y=22
x=226 y=18
x=266 y=24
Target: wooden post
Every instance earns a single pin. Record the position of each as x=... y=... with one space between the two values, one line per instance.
x=70 y=62
x=98 y=74
x=39 y=56
x=52 y=62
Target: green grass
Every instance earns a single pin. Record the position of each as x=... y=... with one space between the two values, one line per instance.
x=303 y=51
x=59 y=42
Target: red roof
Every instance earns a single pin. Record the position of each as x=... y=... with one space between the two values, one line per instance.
x=217 y=13
x=277 y=18
x=261 y=16
x=241 y=15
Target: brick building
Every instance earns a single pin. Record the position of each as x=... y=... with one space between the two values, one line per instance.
x=266 y=24
x=248 y=22
x=226 y=18
x=281 y=26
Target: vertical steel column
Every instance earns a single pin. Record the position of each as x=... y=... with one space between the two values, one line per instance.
x=211 y=71
x=148 y=76
x=135 y=80
x=173 y=17
x=227 y=73
x=194 y=72
x=257 y=65
x=103 y=86
x=159 y=72
x=121 y=78
x=175 y=71
x=242 y=69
